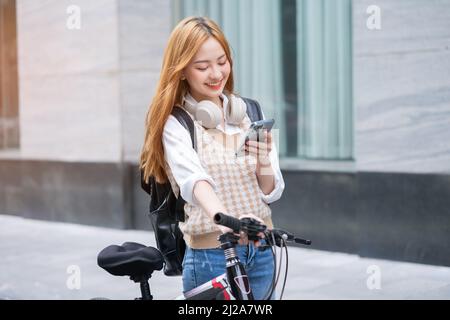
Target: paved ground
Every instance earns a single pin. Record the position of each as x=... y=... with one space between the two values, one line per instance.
x=39 y=260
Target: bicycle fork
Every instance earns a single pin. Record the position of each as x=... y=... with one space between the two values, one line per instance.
x=236 y=274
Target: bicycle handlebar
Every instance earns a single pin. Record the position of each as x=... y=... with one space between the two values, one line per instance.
x=252 y=227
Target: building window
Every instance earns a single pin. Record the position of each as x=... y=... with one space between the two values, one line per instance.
x=9 y=102
x=295 y=58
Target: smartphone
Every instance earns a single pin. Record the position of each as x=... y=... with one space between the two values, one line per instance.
x=255 y=133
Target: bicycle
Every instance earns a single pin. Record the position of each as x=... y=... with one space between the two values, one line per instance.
x=139 y=262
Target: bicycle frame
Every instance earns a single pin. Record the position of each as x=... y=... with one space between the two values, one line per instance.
x=215 y=289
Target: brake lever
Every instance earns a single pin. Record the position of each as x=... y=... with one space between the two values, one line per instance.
x=288 y=237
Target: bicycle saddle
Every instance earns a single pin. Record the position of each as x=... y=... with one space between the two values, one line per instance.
x=130 y=259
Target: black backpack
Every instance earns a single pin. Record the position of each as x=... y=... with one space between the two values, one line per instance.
x=166 y=210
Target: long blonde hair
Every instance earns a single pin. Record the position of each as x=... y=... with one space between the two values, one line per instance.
x=184 y=42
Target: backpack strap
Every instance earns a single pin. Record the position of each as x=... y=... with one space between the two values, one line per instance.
x=186 y=121
x=182 y=116
x=253 y=109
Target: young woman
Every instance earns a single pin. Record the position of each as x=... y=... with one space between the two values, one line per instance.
x=197 y=74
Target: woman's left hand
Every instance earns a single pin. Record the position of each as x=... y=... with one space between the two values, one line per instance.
x=260 y=149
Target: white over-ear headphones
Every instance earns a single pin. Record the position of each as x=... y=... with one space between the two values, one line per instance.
x=210 y=115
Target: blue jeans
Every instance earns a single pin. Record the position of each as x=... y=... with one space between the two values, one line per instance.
x=202 y=265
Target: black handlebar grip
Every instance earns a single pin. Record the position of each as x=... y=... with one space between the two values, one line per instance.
x=303 y=241
x=227 y=221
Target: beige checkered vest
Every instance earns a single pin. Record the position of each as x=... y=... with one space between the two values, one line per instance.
x=236 y=181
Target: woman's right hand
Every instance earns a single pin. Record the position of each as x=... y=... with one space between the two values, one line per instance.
x=243 y=236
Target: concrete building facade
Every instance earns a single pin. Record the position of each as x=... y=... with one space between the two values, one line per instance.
x=86 y=73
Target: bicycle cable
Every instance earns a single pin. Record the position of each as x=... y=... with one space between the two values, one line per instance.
x=274 y=283
x=280 y=263
x=286 y=270
x=272 y=244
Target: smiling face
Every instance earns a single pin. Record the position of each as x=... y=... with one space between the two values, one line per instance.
x=208 y=72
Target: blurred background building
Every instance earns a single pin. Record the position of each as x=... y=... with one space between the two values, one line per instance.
x=360 y=91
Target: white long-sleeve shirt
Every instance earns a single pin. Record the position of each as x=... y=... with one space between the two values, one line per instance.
x=185 y=164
